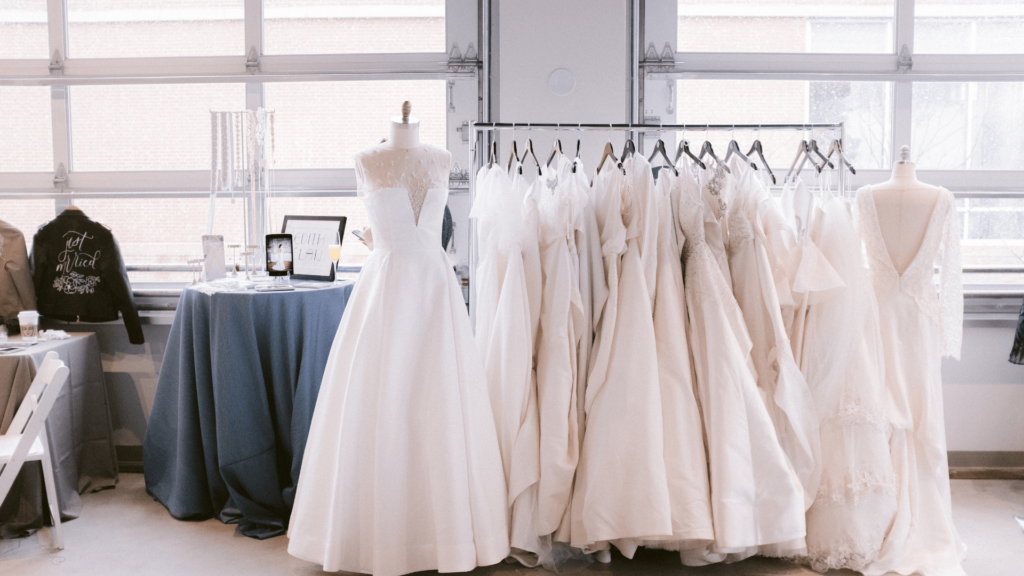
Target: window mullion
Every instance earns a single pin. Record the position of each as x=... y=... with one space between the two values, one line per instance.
x=60 y=112
x=253 y=31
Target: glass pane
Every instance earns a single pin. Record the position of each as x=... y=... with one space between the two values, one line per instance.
x=26 y=137
x=353 y=26
x=23 y=32
x=147 y=127
x=864 y=107
x=353 y=252
x=855 y=27
x=26 y=215
x=323 y=124
x=129 y=28
x=968 y=26
x=164 y=230
x=993 y=235
x=968 y=125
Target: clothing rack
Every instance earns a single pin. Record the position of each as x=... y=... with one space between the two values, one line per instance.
x=478 y=154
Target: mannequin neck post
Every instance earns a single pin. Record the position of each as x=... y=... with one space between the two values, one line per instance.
x=404 y=135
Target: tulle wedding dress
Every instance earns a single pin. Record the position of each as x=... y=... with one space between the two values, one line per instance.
x=402 y=470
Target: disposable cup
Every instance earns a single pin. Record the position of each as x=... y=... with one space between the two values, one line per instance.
x=29 y=320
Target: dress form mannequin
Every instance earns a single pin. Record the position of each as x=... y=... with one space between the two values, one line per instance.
x=904 y=206
x=402 y=161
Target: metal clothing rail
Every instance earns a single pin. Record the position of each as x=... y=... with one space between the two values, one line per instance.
x=479 y=128
x=489 y=126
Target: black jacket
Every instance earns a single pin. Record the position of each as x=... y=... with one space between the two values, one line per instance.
x=78 y=273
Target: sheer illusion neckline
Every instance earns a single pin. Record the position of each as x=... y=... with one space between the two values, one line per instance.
x=880 y=239
x=408 y=200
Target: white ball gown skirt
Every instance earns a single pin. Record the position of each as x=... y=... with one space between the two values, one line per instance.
x=402 y=471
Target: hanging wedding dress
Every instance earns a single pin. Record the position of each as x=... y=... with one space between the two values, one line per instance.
x=560 y=314
x=503 y=336
x=685 y=460
x=856 y=499
x=786 y=394
x=756 y=497
x=402 y=470
x=919 y=325
x=621 y=495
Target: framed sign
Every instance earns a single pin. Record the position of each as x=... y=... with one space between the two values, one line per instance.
x=312 y=238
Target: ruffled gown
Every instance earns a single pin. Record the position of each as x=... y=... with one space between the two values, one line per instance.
x=506 y=345
x=856 y=498
x=779 y=379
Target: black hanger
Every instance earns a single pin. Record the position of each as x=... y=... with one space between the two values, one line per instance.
x=577 y=161
x=684 y=148
x=837 y=148
x=609 y=152
x=493 y=159
x=756 y=147
x=803 y=151
x=513 y=155
x=659 y=148
x=708 y=149
x=734 y=148
x=556 y=148
x=813 y=146
x=628 y=149
x=529 y=151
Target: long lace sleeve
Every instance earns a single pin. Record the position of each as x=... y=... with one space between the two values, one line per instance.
x=951 y=290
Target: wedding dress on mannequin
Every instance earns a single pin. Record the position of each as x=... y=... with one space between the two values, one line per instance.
x=402 y=470
x=908 y=227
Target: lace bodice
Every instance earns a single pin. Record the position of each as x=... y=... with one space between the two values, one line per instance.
x=416 y=170
x=941 y=244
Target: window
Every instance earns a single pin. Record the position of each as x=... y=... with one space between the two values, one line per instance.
x=323 y=124
x=147 y=127
x=968 y=27
x=865 y=107
x=154 y=230
x=26 y=214
x=30 y=128
x=129 y=28
x=968 y=125
x=324 y=27
x=859 y=26
x=23 y=29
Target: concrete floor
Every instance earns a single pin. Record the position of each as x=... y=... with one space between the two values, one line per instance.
x=123 y=531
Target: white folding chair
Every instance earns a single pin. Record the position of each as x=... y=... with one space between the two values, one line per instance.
x=25 y=440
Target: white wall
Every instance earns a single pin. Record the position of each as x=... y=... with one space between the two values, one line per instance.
x=532 y=39
x=983 y=392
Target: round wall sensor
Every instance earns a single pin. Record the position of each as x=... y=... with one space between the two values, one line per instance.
x=561 y=82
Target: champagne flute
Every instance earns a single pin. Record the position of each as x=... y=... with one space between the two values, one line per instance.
x=335 y=252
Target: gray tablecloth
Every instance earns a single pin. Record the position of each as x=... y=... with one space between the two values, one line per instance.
x=78 y=428
x=234 y=401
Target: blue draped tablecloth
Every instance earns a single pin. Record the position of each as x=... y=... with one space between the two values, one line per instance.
x=234 y=401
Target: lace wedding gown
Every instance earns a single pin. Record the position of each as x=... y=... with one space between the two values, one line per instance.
x=402 y=470
x=919 y=325
x=756 y=498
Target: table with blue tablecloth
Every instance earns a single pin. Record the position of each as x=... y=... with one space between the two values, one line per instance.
x=234 y=401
